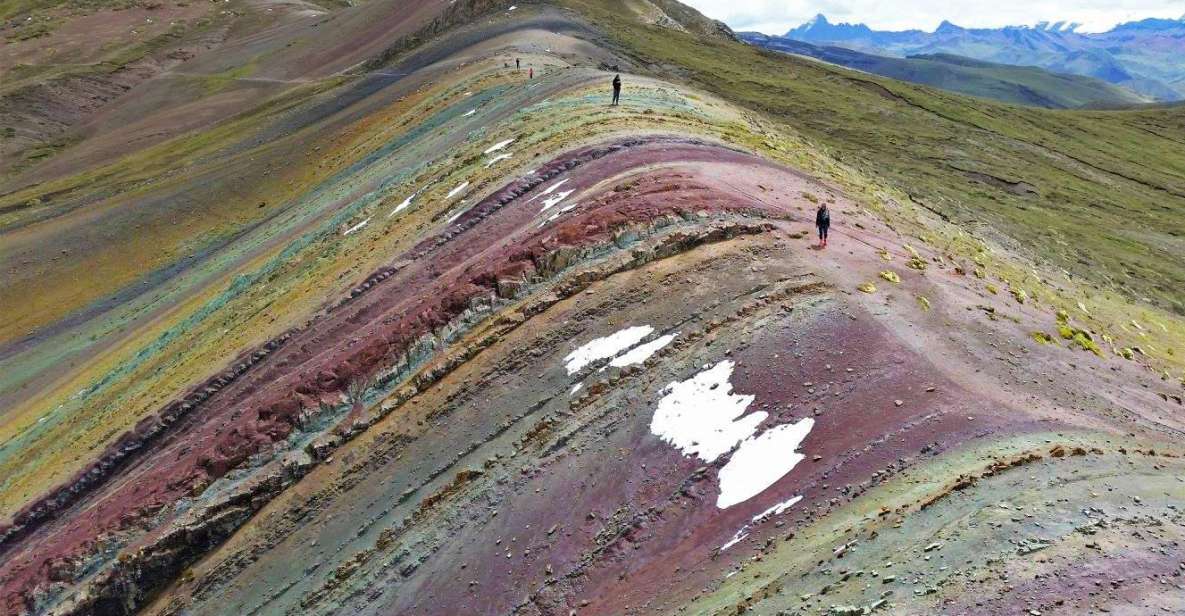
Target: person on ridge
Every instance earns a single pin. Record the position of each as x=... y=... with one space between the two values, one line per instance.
x=823 y=222
x=517 y=66
x=616 y=89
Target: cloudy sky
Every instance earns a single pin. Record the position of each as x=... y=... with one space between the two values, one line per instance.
x=777 y=16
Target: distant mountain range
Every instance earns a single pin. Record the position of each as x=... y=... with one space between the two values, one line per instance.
x=1147 y=56
x=1025 y=85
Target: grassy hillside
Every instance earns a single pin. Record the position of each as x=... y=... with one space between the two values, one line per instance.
x=1023 y=85
x=1099 y=194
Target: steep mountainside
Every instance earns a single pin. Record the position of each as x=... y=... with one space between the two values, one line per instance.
x=1146 y=56
x=1023 y=85
x=384 y=309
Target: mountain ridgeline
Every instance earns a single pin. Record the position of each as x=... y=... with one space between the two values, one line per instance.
x=1023 y=85
x=393 y=307
x=1147 y=56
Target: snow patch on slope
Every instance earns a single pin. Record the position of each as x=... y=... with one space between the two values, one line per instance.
x=699 y=416
x=550 y=201
x=772 y=511
x=462 y=186
x=642 y=352
x=498 y=146
x=737 y=538
x=403 y=206
x=778 y=508
x=497 y=158
x=606 y=347
x=356 y=227
x=761 y=461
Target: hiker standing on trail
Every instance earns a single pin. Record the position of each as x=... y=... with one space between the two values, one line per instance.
x=823 y=222
x=616 y=89
x=517 y=66
x=531 y=73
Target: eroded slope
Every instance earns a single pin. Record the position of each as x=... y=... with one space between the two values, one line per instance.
x=493 y=346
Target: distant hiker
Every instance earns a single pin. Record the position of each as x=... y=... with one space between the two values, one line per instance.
x=616 y=89
x=516 y=64
x=823 y=222
x=531 y=73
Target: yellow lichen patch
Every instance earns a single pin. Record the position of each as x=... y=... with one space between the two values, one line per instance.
x=1019 y=295
x=915 y=260
x=991 y=288
x=1042 y=337
x=924 y=303
x=891 y=276
x=1084 y=341
x=867 y=287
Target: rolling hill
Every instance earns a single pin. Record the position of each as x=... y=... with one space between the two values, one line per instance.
x=1022 y=85
x=382 y=308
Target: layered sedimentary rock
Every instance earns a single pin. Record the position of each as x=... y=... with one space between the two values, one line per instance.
x=473 y=341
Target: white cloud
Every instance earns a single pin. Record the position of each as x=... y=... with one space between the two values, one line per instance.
x=777 y=16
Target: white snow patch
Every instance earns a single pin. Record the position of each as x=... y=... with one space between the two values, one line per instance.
x=775 y=510
x=497 y=158
x=642 y=352
x=761 y=461
x=512 y=8
x=606 y=347
x=556 y=215
x=778 y=508
x=462 y=186
x=699 y=416
x=469 y=113
x=454 y=216
x=403 y=206
x=356 y=227
x=551 y=189
x=575 y=388
x=550 y=201
x=498 y=146
x=737 y=538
